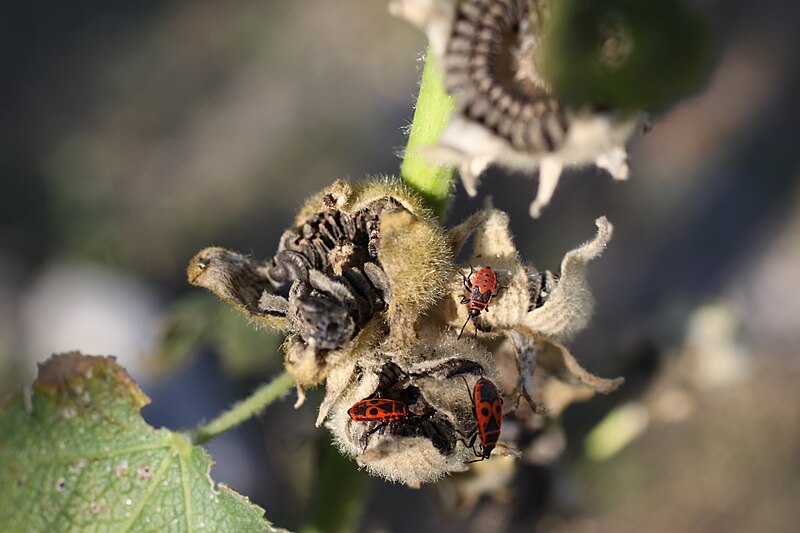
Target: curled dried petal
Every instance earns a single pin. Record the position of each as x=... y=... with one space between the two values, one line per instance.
x=570 y=305
x=556 y=360
x=238 y=280
x=352 y=198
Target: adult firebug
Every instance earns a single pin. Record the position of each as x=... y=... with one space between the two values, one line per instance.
x=481 y=291
x=378 y=409
x=487 y=407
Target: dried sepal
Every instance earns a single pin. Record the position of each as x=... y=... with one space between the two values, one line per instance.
x=557 y=395
x=339 y=379
x=459 y=235
x=545 y=305
x=411 y=461
x=506 y=113
x=526 y=351
x=310 y=366
x=241 y=282
x=550 y=378
x=373 y=190
x=556 y=360
x=493 y=246
x=353 y=197
x=570 y=304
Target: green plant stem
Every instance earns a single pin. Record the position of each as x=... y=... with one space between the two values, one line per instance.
x=433 y=110
x=338 y=501
x=247 y=408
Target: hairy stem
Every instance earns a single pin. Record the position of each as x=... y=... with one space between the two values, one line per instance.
x=434 y=106
x=240 y=412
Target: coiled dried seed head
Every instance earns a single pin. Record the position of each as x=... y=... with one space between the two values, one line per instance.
x=506 y=111
x=357 y=254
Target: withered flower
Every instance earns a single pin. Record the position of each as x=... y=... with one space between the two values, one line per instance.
x=506 y=112
x=535 y=311
x=358 y=258
x=365 y=287
x=433 y=379
x=531 y=317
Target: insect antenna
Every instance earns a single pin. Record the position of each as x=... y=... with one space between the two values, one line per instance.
x=464 y=326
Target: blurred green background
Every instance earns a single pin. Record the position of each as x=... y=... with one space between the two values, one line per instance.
x=132 y=134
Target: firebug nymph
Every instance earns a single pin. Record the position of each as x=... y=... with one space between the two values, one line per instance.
x=481 y=291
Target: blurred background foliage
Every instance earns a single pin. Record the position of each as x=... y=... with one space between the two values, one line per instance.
x=625 y=54
x=135 y=133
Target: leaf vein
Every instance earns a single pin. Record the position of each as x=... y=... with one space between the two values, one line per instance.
x=64 y=459
x=162 y=469
x=186 y=496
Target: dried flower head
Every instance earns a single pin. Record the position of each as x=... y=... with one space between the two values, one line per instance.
x=434 y=380
x=535 y=311
x=506 y=112
x=358 y=259
x=366 y=289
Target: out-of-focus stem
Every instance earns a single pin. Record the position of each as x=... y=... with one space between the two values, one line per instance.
x=339 y=499
x=434 y=106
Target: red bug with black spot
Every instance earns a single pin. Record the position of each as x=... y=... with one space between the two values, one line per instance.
x=487 y=407
x=378 y=409
x=481 y=291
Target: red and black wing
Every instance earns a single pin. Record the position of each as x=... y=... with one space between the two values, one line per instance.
x=488 y=413
x=378 y=409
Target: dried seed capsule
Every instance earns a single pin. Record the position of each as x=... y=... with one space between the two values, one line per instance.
x=507 y=113
x=482 y=72
x=424 y=444
x=540 y=285
x=328 y=241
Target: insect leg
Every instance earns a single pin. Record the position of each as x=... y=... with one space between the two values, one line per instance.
x=464 y=326
x=378 y=427
x=468 y=280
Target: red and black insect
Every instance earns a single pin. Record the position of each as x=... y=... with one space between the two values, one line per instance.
x=487 y=407
x=481 y=291
x=378 y=409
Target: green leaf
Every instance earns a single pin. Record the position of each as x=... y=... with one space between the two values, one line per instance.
x=82 y=458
